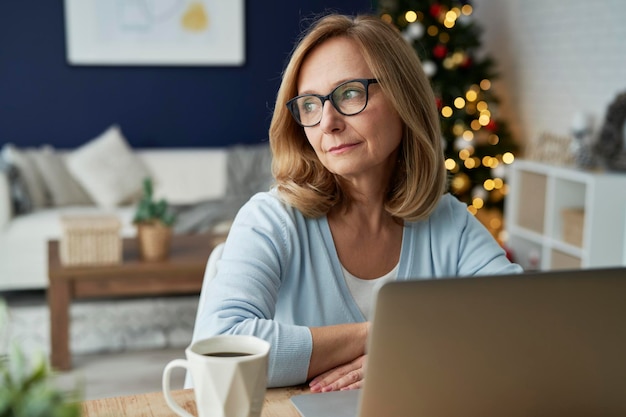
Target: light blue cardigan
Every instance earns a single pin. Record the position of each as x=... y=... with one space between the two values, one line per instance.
x=279 y=274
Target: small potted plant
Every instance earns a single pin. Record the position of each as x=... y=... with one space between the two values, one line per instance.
x=154 y=225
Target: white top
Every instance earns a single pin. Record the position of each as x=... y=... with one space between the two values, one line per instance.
x=364 y=290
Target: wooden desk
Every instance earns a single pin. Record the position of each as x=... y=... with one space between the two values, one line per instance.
x=181 y=273
x=276 y=404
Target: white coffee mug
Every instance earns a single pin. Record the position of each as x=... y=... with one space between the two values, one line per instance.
x=229 y=375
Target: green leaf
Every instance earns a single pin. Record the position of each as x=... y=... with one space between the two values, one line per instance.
x=26 y=388
x=148 y=210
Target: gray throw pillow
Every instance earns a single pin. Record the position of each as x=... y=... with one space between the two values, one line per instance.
x=64 y=190
x=249 y=169
x=23 y=161
x=20 y=199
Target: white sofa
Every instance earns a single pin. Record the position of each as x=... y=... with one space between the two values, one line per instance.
x=185 y=177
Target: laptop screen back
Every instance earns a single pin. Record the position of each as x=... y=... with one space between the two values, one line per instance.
x=550 y=344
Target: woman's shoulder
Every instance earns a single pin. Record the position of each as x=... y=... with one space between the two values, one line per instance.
x=269 y=200
x=266 y=197
x=266 y=214
x=269 y=205
x=449 y=218
x=449 y=209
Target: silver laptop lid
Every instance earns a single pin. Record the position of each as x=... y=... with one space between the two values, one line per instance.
x=327 y=404
x=547 y=344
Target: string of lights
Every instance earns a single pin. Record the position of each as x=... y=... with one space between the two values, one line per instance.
x=477 y=141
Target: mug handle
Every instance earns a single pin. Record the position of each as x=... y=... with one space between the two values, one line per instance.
x=176 y=363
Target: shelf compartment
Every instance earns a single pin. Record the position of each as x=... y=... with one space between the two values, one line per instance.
x=526 y=253
x=562 y=260
x=568 y=202
x=573 y=218
x=532 y=201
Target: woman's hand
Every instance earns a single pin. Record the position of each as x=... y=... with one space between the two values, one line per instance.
x=343 y=377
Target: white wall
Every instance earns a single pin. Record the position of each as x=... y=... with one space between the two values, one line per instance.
x=555 y=58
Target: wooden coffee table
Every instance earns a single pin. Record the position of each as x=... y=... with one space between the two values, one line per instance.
x=181 y=273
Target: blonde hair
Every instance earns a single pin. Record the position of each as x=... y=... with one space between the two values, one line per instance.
x=419 y=179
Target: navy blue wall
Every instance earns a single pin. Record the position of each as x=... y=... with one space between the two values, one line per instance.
x=43 y=100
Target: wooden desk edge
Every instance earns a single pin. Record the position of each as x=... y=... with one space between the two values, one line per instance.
x=153 y=404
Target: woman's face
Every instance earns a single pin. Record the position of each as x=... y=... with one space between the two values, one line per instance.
x=355 y=147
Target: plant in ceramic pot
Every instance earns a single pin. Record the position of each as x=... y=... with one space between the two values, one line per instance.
x=154 y=225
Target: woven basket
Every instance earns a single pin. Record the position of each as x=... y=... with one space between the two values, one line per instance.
x=154 y=241
x=90 y=240
x=573 y=222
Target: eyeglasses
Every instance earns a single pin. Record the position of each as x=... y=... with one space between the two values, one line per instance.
x=348 y=98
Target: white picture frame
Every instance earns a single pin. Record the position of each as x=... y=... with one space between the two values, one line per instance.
x=155 y=32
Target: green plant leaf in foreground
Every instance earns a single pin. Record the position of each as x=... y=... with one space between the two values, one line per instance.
x=27 y=385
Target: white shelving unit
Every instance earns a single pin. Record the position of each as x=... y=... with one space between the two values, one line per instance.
x=539 y=198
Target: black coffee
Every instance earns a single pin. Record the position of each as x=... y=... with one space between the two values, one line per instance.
x=226 y=354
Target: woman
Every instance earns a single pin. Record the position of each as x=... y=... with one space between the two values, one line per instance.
x=359 y=200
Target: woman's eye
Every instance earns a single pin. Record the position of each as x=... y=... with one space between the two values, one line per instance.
x=308 y=106
x=352 y=93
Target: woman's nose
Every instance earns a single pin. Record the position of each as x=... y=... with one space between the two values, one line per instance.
x=332 y=120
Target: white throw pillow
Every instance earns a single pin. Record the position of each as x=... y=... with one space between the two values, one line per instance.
x=108 y=169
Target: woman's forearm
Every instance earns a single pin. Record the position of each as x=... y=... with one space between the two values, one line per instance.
x=336 y=345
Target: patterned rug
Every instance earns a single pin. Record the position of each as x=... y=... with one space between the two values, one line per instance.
x=102 y=325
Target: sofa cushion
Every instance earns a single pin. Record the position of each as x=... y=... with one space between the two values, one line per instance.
x=108 y=169
x=187 y=176
x=23 y=161
x=17 y=190
x=249 y=169
x=63 y=189
x=23 y=243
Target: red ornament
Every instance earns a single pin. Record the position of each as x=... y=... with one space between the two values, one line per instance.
x=440 y=51
x=439 y=102
x=491 y=126
x=510 y=255
x=435 y=10
x=467 y=62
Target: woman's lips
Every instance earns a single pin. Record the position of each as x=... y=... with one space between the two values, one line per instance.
x=342 y=148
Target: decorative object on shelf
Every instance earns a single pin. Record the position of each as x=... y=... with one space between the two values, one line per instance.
x=611 y=144
x=581 y=146
x=533 y=260
x=550 y=148
x=90 y=240
x=573 y=220
x=154 y=225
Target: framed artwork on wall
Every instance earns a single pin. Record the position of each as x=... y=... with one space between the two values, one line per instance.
x=155 y=32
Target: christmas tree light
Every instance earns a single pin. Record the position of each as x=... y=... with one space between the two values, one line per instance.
x=477 y=142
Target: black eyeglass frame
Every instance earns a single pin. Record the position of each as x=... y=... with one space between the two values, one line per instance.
x=366 y=83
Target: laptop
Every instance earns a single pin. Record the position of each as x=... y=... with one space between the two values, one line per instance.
x=541 y=344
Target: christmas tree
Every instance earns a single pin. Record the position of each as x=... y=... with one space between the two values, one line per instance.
x=477 y=141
